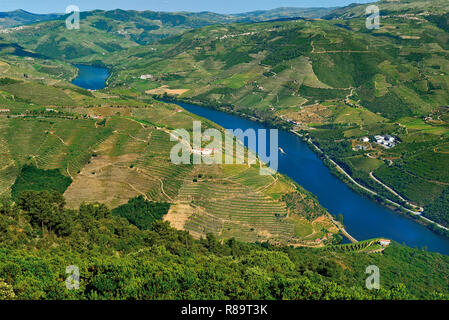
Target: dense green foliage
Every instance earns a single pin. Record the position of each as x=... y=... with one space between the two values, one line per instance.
x=118 y=261
x=140 y=212
x=438 y=209
x=32 y=178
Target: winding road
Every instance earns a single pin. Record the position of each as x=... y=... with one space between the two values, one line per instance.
x=416 y=213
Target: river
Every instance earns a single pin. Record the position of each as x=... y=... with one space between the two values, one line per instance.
x=90 y=77
x=363 y=218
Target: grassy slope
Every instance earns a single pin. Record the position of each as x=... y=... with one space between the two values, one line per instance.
x=128 y=155
x=323 y=72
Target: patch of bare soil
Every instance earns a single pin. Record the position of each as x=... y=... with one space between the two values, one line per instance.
x=165 y=89
x=316 y=113
x=108 y=180
x=178 y=215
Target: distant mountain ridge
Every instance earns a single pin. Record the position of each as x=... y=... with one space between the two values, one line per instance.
x=121 y=29
x=21 y=17
x=285 y=12
x=391 y=7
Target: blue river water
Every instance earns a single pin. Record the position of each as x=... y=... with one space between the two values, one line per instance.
x=363 y=218
x=90 y=77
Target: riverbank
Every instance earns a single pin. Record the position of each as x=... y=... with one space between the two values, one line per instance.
x=366 y=216
x=342 y=174
x=281 y=124
x=334 y=168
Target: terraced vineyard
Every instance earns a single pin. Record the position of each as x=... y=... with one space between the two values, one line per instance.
x=134 y=160
x=156 y=164
x=236 y=208
x=224 y=201
x=127 y=157
x=114 y=144
x=8 y=170
x=46 y=144
x=367 y=246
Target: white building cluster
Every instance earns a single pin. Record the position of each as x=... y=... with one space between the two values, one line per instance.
x=146 y=77
x=386 y=141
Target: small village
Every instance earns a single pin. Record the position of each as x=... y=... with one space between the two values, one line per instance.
x=387 y=141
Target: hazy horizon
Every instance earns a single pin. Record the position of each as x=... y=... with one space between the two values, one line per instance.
x=228 y=7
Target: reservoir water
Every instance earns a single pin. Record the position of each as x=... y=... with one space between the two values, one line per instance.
x=90 y=77
x=363 y=218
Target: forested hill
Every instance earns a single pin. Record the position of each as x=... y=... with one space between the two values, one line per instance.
x=41 y=238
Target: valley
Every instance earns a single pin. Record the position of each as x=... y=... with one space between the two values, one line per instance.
x=113 y=152
x=88 y=125
x=330 y=80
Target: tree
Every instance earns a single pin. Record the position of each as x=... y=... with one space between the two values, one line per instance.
x=45 y=209
x=6 y=291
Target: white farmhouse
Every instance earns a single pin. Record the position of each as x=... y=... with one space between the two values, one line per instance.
x=389 y=138
x=379 y=139
x=146 y=76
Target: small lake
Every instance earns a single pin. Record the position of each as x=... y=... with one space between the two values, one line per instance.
x=91 y=77
x=363 y=218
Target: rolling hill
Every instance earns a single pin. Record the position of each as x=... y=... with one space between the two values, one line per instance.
x=86 y=176
x=53 y=126
x=19 y=18
x=104 y=32
x=333 y=80
x=392 y=8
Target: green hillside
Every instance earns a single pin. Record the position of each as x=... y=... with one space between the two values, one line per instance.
x=335 y=81
x=21 y=17
x=117 y=260
x=108 y=146
x=104 y=32
x=86 y=177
